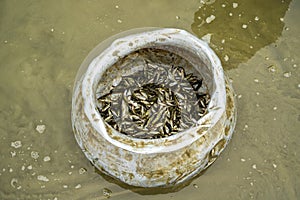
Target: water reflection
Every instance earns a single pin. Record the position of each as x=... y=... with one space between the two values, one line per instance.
x=239 y=29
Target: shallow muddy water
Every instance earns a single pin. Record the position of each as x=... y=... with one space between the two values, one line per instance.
x=42 y=44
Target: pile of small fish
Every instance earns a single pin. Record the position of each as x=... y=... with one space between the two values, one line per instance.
x=156 y=101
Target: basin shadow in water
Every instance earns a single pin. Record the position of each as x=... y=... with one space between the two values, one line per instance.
x=239 y=30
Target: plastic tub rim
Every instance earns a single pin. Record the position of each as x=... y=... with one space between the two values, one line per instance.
x=106 y=59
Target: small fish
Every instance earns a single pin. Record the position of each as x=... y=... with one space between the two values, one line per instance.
x=152 y=99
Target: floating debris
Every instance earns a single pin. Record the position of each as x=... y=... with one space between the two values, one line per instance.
x=14 y=183
x=287 y=74
x=78 y=186
x=47 y=159
x=82 y=170
x=210 y=19
x=226 y=58
x=246 y=125
x=40 y=128
x=35 y=155
x=272 y=68
x=42 y=178
x=13 y=153
x=154 y=101
x=16 y=144
x=207 y=37
x=106 y=192
x=244 y=26
x=235 y=5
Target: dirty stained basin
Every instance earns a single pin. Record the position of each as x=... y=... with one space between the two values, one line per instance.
x=153 y=162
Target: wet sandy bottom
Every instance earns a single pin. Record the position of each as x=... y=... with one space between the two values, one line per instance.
x=42 y=45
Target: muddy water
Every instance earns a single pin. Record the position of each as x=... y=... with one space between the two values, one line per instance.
x=42 y=44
